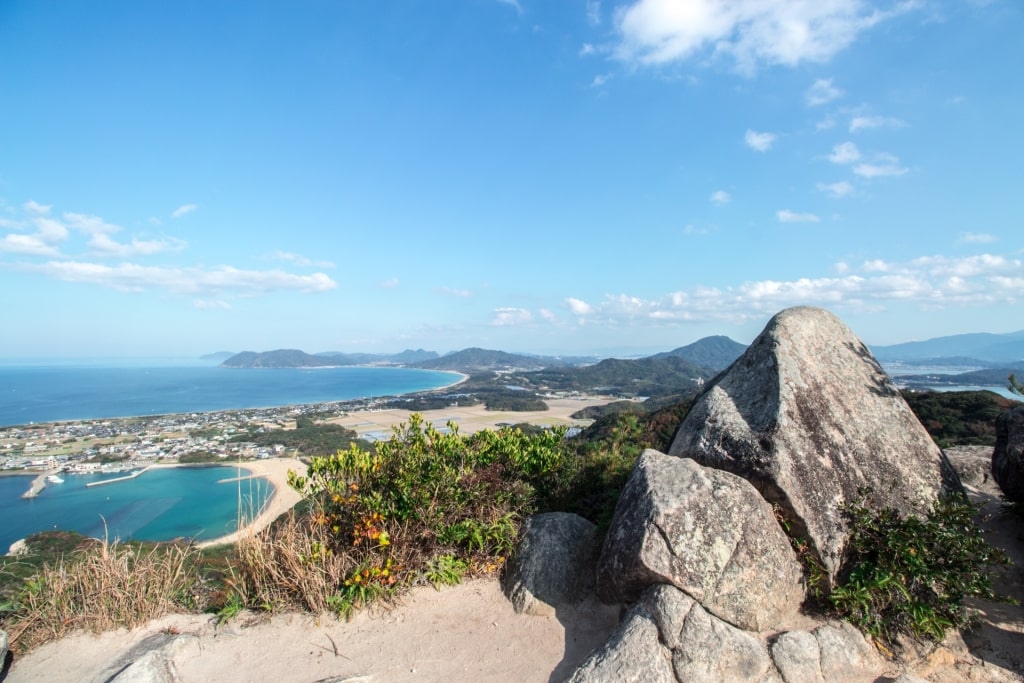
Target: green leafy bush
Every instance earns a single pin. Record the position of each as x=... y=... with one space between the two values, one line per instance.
x=912 y=576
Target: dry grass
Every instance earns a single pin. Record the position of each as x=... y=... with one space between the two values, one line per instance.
x=289 y=564
x=102 y=587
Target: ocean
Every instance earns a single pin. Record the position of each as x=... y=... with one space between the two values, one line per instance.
x=53 y=393
x=162 y=503
x=158 y=505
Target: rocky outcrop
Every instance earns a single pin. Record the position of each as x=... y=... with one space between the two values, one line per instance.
x=553 y=565
x=831 y=653
x=668 y=636
x=1008 y=456
x=809 y=417
x=973 y=464
x=708 y=533
x=3 y=650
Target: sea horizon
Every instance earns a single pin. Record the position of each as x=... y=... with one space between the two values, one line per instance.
x=34 y=393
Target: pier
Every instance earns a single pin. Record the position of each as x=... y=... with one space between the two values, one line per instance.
x=38 y=484
x=117 y=479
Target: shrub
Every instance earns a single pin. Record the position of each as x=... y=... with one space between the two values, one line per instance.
x=423 y=506
x=912 y=576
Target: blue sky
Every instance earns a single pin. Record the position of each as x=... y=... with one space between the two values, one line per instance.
x=547 y=176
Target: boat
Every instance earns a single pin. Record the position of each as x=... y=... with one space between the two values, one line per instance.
x=54 y=479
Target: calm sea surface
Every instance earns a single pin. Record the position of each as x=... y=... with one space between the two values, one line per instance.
x=52 y=393
x=158 y=505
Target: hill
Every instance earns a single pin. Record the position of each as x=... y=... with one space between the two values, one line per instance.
x=982 y=346
x=717 y=352
x=404 y=358
x=477 y=360
x=281 y=358
x=641 y=377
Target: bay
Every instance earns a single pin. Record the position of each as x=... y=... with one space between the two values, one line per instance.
x=53 y=393
x=160 y=504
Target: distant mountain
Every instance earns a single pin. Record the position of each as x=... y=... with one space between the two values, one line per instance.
x=717 y=352
x=636 y=377
x=404 y=358
x=477 y=360
x=219 y=355
x=981 y=346
x=281 y=358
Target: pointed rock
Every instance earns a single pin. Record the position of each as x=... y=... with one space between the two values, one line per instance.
x=809 y=417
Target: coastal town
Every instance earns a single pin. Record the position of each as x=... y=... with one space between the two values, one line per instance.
x=117 y=443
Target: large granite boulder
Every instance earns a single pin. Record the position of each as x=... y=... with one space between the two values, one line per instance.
x=831 y=653
x=667 y=636
x=1008 y=456
x=809 y=417
x=553 y=565
x=705 y=531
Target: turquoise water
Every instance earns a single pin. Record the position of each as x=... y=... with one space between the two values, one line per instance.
x=53 y=393
x=158 y=505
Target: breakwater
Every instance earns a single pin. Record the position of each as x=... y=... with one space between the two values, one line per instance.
x=133 y=475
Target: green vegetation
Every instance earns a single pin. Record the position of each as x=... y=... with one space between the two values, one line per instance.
x=911 y=576
x=642 y=377
x=308 y=437
x=1015 y=386
x=199 y=457
x=958 y=417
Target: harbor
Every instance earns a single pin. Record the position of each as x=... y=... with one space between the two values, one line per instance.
x=133 y=475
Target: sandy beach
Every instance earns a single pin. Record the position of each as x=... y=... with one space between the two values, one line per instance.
x=376 y=424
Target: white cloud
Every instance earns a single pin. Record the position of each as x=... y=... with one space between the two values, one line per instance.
x=35 y=208
x=822 y=92
x=593 y=12
x=183 y=209
x=390 y=283
x=760 y=142
x=186 y=280
x=787 y=216
x=31 y=245
x=844 y=153
x=866 y=122
x=934 y=282
x=578 y=306
x=749 y=32
x=511 y=317
x=720 y=197
x=977 y=238
x=90 y=225
x=879 y=170
x=102 y=244
x=694 y=230
x=600 y=80
x=836 y=190
x=300 y=260
x=587 y=49
x=547 y=315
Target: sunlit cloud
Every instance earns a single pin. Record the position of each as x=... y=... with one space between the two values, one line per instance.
x=102 y=244
x=750 y=33
x=578 y=306
x=931 y=283
x=511 y=317
x=787 y=216
x=600 y=80
x=593 y=12
x=300 y=260
x=836 y=190
x=858 y=123
x=29 y=245
x=880 y=170
x=822 y=92
x=35 y=208
x=195 y=281
x=844 y=153
x=760 y=142
x=720 y=197
x=183 y=210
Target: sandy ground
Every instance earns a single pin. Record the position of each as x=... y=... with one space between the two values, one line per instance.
x=377 y=424
x=460 y=634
